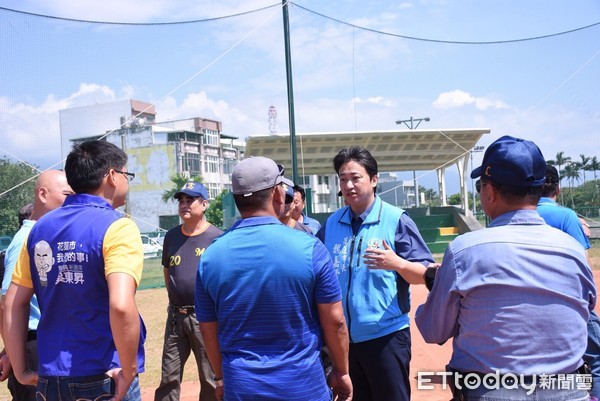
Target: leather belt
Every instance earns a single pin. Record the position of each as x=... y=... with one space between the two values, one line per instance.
x=184 y=310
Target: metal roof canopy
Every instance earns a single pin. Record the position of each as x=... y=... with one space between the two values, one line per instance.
x=394 y=150
x=398 y=150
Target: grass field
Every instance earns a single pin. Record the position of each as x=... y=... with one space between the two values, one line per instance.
x=152 y=303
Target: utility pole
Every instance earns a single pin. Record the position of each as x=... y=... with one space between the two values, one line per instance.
x=410 y=124
x=290 y=90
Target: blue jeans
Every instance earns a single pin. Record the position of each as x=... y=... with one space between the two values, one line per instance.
x=592 y=353
x=83 y=388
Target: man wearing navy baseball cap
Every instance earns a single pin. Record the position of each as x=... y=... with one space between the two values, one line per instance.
x=516 y=296
x=182 y=249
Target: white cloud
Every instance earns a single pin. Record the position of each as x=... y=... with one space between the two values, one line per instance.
x=458 y=98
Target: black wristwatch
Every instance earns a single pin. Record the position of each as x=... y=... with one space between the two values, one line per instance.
x=218 y=381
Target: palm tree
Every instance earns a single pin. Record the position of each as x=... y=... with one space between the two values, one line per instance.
x=585 y=161
x=571 y=171
x=561 y=160
x=179 y=181
x=594 y=166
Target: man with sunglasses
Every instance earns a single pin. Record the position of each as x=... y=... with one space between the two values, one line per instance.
x=516 y=296
x=267 y=297
x=84 y=262
x=286 y=215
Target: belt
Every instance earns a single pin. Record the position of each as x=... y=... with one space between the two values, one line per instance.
x=31 y=335
x=184 y=310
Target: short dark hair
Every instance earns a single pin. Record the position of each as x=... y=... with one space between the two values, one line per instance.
x=25 y=213
x=513 y=193
x=298 y=188
x=89 y=162
x=549 y=189
x=358 y=154
x=257 y=201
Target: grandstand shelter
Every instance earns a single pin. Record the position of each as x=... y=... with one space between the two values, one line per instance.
x=395 y=150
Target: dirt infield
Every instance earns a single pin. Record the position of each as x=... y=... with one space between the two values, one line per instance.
x=425 y=358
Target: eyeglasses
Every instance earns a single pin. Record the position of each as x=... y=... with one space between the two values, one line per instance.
x=127 y=174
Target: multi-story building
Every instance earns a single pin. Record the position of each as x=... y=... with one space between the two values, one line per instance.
x=157 y=151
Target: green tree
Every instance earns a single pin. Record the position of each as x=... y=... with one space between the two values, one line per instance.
x=178 y=181
x=584 y=164
x=16 y=190
x=594 y=166
x=214 y=213
x=571 y=171
x=431 y=197
x=454 y=199
x=560 y=161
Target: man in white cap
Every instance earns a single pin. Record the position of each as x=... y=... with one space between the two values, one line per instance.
x=267 y=297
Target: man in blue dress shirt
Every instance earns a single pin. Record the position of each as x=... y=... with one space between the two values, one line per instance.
x=516 y=296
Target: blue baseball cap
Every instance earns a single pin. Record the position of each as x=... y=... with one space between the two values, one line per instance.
x=193 y=189
x=288 y=186
x=513 y=161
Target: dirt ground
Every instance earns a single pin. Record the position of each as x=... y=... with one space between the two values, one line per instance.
x=425 y=358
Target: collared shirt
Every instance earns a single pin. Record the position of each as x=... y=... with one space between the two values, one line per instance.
x=311 y=223
x=516 y=298
x=262 y=281
x=12 y=255
x=562 y=218
x=66 y=259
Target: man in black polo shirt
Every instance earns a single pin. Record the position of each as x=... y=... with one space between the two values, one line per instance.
x=182 y=249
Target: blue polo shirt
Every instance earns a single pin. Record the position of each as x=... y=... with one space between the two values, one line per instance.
x=261 y=281
x=562 y=218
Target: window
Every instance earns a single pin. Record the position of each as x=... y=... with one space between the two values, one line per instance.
x=228 y=165
x=211 y=164
x=191 y=163
x=210 y=137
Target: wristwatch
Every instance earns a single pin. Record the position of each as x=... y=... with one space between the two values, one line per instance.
x=218 y=381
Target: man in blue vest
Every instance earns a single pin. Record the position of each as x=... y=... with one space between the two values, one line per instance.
x=50 y=191
x=377 y=252
x=84 y=262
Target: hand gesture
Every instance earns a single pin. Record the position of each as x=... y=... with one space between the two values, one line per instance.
x=383 y=259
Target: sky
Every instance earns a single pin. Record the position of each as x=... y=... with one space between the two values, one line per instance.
x=357 y=65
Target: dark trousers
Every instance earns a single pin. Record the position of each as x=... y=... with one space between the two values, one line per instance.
x=182 y=337
x=19 y=391
x=380 y=368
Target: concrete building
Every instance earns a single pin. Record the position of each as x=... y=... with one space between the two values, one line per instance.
x=157 y=151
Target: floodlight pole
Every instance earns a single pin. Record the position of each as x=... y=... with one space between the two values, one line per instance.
x=290 y=90
x=412 y=120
